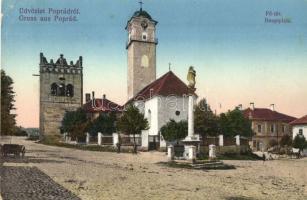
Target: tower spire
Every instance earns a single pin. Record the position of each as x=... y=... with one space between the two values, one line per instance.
x=141 y=5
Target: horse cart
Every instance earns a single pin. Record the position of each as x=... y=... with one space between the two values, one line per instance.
x=12 y=149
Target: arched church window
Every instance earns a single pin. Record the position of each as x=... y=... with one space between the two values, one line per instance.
x=61 y=90
x=69 y=90
x=149 y=117
x=144 y=61
x=54 y=89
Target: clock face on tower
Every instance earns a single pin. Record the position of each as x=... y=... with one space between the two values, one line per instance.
x=144 y=24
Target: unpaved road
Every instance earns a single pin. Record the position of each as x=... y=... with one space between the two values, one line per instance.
x=101 y=175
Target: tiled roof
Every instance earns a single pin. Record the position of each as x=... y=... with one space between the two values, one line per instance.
x=299 y=121
x=267 y=115
x=167 y=85
x=102 y=105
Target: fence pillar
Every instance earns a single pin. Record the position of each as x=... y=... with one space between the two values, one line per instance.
x=65 y=137
x=212 y=151
x=145 y=135
x=115 y=139
x=221 y=140
x=170 y=152
x=99 y=138
x=238 y=140
x=87 y=138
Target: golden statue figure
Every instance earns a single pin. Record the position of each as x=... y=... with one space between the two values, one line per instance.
x=191 y=77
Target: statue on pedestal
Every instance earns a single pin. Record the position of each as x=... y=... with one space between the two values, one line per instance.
x=191 y=77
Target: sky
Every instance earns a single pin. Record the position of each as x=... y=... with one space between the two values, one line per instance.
x=238 y=57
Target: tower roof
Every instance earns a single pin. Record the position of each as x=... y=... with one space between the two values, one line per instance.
x=142 y=13
x=166 y=85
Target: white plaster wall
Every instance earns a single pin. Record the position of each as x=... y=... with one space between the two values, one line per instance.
x=295 y=130
x=152 y=105
x=168 y=107
x=162 y=110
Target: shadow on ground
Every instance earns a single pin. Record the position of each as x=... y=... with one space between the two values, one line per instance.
x=28 y=159
x=30 y=183
x=239 y=198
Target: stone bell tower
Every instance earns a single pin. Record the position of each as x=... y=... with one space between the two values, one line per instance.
x=141 y=47
x=61 y=88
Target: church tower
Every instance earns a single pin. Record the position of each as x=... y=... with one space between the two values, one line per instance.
x=61 y=88
x=141 y=47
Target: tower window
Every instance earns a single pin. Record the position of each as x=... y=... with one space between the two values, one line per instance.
x=61 y=90
x=144 y=61
x=54 y=89
x=144 y=36
x=69 y=90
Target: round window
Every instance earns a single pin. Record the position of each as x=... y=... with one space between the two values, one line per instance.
x=177 y=112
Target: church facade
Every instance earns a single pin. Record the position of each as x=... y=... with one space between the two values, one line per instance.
x=164 y=99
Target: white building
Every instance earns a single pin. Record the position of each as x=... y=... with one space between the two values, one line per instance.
x=159 y=99
x=299 y=126
x=162 y=100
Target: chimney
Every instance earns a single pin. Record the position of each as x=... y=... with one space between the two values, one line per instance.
x=272 y=107
x=252 y=105
x=87 y=97
x=240 y=106
x=103 y=96
x=93 y=100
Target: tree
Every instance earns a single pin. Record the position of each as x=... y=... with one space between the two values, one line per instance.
x=132 y=122
x=286 y=140
x=75 y=123
x=234 y=123
x=105 y=124
x=299 y=143
x=8 y=121
x=273 y=143
x=205 y=121
x=174 y=131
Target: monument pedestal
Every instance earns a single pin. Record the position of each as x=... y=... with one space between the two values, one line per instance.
x=190 y=147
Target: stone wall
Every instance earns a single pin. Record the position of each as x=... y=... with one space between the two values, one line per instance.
x=53 y=107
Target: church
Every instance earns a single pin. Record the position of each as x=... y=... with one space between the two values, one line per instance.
x=159 y=99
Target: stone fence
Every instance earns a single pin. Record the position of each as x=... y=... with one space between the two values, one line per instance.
x=112 y=140
x=224 y=141
x=220 y=150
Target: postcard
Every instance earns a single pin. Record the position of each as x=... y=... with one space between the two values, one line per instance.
x=153 y=99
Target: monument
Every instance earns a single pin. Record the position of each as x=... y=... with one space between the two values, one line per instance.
x=191 y=141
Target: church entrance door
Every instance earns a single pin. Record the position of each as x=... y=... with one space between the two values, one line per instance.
x=153 y=142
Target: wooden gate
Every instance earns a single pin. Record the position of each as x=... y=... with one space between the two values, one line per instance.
x=153 y=142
